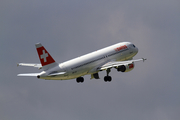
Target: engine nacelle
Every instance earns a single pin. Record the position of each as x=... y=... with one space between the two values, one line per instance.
x=126 y=68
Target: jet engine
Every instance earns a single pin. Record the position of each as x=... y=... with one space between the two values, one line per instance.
x=126 y=67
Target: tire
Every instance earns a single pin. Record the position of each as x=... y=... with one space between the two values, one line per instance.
x=80 y=79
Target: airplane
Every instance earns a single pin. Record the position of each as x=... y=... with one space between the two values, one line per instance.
x=118 y=56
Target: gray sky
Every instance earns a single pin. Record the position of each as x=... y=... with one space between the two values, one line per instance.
x=68 y=29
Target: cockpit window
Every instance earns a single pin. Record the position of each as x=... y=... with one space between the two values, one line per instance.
x=134 y=45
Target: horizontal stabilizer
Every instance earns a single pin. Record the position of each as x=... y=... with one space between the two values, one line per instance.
x=30 y=65
x=28 y=74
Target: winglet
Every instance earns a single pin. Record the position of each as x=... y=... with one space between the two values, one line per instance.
x=144 y=59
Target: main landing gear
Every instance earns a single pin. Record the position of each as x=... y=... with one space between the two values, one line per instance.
x=108 y=78
x=80 y=80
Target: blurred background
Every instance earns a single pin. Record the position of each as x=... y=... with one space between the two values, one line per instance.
x=68 y=29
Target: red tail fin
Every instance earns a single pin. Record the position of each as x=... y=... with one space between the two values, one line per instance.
x=44 y=56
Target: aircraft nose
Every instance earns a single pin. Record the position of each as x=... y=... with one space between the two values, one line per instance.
x=136 y=49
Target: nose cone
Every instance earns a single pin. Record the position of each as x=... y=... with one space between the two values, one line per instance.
x=136 y=50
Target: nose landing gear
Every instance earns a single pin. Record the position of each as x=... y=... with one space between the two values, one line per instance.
x=107 y=78
x=80 y=80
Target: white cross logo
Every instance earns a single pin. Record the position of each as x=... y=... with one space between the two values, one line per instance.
x=44 y=56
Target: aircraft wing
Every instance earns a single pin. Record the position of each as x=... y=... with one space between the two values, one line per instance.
x=116 y=64
x=39 y=66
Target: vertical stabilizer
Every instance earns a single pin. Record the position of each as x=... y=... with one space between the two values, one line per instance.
x=46 y=60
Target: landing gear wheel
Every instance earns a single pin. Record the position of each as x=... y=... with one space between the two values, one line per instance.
x=80 y=79
x=107 y=78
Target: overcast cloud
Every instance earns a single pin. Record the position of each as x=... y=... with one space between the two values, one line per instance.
x=71 y=28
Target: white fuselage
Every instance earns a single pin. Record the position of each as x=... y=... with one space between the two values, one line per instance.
x=89 y=63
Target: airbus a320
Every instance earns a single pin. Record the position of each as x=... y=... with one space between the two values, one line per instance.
x=118 y=56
